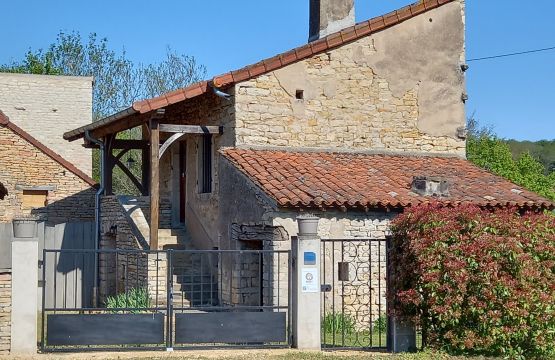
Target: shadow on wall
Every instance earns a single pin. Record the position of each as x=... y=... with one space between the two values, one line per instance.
x=78 y=207
x=3 y=191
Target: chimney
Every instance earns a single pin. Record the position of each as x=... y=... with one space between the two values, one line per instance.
x=430 y=186
x=329 y=16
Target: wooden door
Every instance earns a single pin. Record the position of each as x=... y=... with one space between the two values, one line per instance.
x=182 y=180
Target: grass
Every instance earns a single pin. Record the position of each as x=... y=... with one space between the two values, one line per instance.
x=340 y=330
x=291 y=355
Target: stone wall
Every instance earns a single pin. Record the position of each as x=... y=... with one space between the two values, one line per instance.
x=48 y=106
x=122 y=272
x=125 y=271
x=254 y=272
x=23 y=166
x=5 y=312
x=362 y=296
x=398 y=90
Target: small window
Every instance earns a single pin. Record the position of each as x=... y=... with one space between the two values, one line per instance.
x=205 y=164
x=35 y=198
x=299 y=94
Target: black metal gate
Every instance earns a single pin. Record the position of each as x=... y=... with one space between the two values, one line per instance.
x=354 y=301
x=165 y=299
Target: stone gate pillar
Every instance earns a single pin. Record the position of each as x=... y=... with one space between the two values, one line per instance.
x=25 y=260
x=306 y=286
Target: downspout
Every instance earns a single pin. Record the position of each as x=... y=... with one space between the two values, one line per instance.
x=97 y=211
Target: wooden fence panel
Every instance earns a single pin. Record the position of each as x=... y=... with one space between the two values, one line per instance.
x=69 y=276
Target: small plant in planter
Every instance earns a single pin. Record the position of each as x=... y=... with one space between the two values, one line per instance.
x=25 y=226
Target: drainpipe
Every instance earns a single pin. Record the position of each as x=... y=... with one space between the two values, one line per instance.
x=97 y=211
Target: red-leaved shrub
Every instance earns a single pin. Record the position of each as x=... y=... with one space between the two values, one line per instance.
x=476 y=280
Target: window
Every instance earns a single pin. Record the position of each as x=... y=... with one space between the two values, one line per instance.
x=205 y=164
x=34 y=198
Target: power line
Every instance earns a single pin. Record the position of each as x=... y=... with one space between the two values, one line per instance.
x=512 y=54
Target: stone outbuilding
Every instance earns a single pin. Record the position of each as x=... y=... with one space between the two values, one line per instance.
x=37 y=181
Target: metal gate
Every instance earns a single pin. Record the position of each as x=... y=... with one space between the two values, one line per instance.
x=165 y=299
x=354 y=302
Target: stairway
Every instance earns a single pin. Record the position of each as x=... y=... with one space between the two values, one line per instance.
x=193 y=274
x=193 y=280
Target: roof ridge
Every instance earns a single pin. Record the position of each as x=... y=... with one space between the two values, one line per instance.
x=5 y=122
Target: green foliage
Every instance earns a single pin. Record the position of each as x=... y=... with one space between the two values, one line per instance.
x=118 y=81
x=337 y=323
x=380 y=325
x=477 y=281
x=491 y=153
x=543 y=151
x=135 y=299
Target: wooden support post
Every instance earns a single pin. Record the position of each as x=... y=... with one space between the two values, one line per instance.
x=108 y=165
x=145 y=163
x=154 y=183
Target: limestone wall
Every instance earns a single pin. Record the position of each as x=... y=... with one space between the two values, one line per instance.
x=398 y=90
x=125 y=271
x=121 y=272
x=47 y=106
x=362 y=297
x=5 y=312
x=23 y=166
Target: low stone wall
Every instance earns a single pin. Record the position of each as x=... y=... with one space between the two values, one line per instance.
x=5 y=312
x=124 y=272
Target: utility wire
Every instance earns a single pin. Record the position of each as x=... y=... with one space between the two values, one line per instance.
x=512 y=54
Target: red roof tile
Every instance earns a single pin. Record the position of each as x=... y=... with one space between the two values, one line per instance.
x=355 y=180
x=5 y=122
x=332 y=41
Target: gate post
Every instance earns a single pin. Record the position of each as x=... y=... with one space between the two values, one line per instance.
x=401 y=334
x=25 y=260
x=306 y=287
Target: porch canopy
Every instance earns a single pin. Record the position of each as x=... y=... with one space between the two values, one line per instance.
x=163 y=121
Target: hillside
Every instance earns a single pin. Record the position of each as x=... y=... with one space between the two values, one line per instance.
x=543 y=150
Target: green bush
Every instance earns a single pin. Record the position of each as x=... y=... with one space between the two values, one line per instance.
x=337 y=323
x=134 y=299
x=477 y=281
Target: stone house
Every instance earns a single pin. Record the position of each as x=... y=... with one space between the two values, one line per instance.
x=361 y=122
x=40 y=173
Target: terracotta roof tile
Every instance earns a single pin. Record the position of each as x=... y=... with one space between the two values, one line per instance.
x=354 y=180
x=5 y=122
x=246 y=73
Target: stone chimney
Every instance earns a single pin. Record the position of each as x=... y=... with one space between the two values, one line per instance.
x=430 y=186
x=329 y=16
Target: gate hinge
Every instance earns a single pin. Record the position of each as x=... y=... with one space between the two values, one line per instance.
x=41 y=263
x=41 y=283
x=325 y=288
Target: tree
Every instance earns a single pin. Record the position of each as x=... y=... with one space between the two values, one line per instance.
x=488 y=151
x=118 y=81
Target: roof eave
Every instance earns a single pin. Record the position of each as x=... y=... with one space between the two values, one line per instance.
x=80 y=132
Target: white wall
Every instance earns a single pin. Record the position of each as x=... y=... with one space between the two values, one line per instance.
x=47 y=106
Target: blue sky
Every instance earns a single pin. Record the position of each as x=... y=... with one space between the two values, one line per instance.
x=516 y=95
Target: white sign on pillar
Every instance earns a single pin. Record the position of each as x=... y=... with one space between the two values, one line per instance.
x=310 y=280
